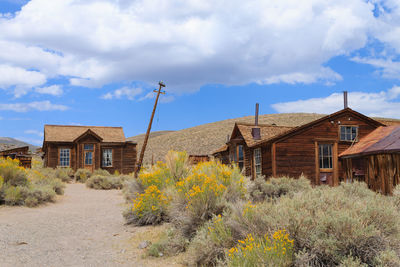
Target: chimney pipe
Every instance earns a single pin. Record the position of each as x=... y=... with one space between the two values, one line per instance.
x=345 y=99
x=256 y=117
x=256 y=132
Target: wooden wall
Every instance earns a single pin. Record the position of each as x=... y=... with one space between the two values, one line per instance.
x=124 y=155
x=382 y=171
x=297 y=154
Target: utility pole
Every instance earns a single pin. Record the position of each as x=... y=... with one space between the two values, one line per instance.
x=139 y=164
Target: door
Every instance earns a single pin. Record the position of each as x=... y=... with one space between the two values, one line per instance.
x=88 y=159
x=326 y=163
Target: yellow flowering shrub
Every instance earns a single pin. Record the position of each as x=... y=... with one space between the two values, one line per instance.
x=251 y=251
x=1 y=182
x=12 y=173
x=218 y=232
x=149 y=207
x=207 y=183
x=158 y=175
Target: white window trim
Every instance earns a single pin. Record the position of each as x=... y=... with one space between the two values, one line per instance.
x=69 y=157
x=102 y=158
x=346 y=140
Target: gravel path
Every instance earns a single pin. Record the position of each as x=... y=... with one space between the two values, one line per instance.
x=83 y=228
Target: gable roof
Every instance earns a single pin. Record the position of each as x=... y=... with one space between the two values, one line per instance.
x=381 y=140
x=303 y=127
x=267 y=132
x=68 y=133
x=221 y=149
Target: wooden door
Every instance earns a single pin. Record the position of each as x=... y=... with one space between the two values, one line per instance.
x=89 y=156
x=326 y=163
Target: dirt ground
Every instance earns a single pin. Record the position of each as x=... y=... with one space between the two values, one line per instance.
x=83 y=228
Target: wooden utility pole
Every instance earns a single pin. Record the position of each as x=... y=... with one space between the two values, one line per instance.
x=146 y=138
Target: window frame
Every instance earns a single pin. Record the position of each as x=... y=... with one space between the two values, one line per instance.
x=256 y=157
x=103 y=159
x=59 y=157
x=240 y=161
x=351 y=131
x=323 y=168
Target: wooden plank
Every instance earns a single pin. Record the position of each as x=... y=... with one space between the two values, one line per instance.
x=273 y=157
x=316 y=156
x=335 y=165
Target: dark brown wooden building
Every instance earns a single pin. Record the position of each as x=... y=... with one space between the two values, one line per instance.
x=375 y=160
x=20 y=153
x=244 y=136
x=312 y=149
x=89 y=147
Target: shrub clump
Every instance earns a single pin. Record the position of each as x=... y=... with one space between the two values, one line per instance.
x=81 y=175
x=29 y=187
x=106 y=182
x=261 y=189
x=328 y=226
x=148 y=208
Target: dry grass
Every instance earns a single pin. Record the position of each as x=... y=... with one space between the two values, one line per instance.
x=205 y=139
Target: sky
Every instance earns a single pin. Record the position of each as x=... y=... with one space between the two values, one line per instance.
x=97 y=62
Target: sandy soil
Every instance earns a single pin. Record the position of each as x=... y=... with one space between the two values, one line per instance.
x=83 y=228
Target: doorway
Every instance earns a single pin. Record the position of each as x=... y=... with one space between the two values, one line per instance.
x=88 y=151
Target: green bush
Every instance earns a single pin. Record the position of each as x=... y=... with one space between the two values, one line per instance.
x=64 y=174
x=177 y=164
x=12 y=195
x=261 y=189
x=101 y=172
x=170 y=243
x=81 y=175
x=105 y=182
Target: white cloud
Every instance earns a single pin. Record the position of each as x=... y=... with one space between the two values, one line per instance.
x=382 y=104
x=186 y=43
x=55 y=90
x=124 y=92
x=19 y=79
x=33 y=106
x=34 y=132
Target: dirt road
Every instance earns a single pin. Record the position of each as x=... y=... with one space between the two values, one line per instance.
x=83 y=228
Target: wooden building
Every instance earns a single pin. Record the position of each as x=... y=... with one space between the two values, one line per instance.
x=194 y=159
x=244 y=136
x=20 y=153
x=312 y=149
x=89 y=147
x=375 y=160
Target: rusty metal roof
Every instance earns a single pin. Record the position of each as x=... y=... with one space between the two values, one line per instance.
x=384 y=139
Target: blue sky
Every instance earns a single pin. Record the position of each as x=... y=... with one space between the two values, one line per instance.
x=97 y=62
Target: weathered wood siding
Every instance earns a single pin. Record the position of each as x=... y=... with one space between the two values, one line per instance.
x=296 y=154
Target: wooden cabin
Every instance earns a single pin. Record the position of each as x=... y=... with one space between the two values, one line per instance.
x=311 y=149
x=20 y=153
x=89 y=147
x=195 y=159
x=243 y=137
x=375 y=159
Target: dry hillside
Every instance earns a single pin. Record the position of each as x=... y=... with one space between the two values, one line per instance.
x=206 y=138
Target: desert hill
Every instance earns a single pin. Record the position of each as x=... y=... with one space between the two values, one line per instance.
x=8 y=143
x=206 y=138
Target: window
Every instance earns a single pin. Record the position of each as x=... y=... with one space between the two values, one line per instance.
x=257 y=162
x=240 y=156
x=348 y=133
x=88 y=147
x=89 y=158
x=107 y=157
x=64 y=157
x=325 y=156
